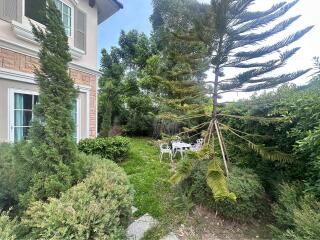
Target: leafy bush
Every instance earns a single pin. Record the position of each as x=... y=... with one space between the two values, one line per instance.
x=244 y=183
x=250 y=196
x=8 y=227
x=97 y=208
x=306 y=221
x=284 y=207
x=14 y=174
x=297 y=217
x=75 y=172
x=113 y=148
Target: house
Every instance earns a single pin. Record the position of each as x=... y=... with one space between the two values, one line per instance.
x=18 y=58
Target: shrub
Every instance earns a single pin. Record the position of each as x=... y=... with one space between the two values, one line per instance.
x=113 y=148
x=287 y=201
x=97 y=208
x=8 y=227
x=304 y=220
x=250 y=196
x=246 y=186
x=14 y=174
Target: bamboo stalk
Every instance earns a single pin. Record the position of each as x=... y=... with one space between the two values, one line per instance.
x=226 y=170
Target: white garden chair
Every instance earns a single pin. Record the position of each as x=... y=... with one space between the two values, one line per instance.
x=195 y=147
x=200 y=141
x=165 y=149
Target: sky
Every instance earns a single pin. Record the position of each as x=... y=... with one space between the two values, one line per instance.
x=136 y=13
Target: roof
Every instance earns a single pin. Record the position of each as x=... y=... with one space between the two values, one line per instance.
x=119 y=3
x=106 y=8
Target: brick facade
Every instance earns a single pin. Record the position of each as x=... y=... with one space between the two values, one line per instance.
x=23 y=63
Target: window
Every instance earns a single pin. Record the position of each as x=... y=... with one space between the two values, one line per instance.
x=75 y=119
x=21 y=108
x=65 y=11
x=22 y=114
x=35 y=8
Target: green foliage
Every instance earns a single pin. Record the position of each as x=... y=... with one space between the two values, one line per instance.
x=250 y=196
x=283 y=209
x=8 y=227
x=218 y=183
x=51 y=136
x=242 y=183
x=113 y=148
x=214 y=178
x=121 y=99
x=97 y=208
x=306 y=221
x=15 y=174
x=296 y=135
x=297 y=216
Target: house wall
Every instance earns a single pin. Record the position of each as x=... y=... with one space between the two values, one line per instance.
x=18 y=56
x=15 y=63
x=7 y=85
x=89 y=59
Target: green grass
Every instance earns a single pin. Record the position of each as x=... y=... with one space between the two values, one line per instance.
x=149 y=177
x=153 y=193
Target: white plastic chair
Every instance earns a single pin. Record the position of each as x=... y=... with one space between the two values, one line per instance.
x=165 y=149
x=200 y=141
x=195 y=147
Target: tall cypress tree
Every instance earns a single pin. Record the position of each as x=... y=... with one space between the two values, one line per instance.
x=51 y=136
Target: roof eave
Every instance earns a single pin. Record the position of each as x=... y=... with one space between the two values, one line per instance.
x=106 y=8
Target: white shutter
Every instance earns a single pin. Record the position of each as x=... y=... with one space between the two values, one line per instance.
x=11 y=10
x=80 y=31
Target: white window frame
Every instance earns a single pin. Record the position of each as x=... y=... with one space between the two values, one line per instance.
x=71 y=16
x=12 y=91
x=78 y=119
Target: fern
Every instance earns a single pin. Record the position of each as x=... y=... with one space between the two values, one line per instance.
x=217 y=182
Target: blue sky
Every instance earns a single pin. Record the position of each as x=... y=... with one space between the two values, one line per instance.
x=134 y=15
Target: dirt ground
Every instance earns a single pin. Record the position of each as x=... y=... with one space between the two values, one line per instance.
x=205 y=225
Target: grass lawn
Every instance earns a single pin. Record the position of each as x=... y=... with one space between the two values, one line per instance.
x=155 y=195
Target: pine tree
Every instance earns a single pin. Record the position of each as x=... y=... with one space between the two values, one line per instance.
x=236 y=28
x=51 y=136
x=235 y=39
x=179 y=72
x=237 y=44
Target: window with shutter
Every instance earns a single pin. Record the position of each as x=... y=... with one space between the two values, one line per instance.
x=11 y=10
x=80 y=23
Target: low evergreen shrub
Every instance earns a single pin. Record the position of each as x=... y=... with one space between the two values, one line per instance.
x=283 y=209
x=8 y=227
x=306 y=221
x=14 y=174
x=251 y=199
x=113 y=148
x=97 y=208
